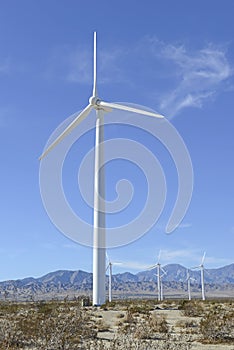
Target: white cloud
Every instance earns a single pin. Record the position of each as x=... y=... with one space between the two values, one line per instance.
x=133 y=265
x=70 y=64
x=182 y=77
x=183 y=225
x=192 y=257
x=217 y=261
x=76 y=65
x=178 y=256
x=200 y=76
x=110 y=69
x=80 y=68
x=186 y=257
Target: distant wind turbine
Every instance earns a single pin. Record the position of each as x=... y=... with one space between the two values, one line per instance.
x=202 y=269
x=99 y=235
x=158 y=274
x=110 y=268
x=188 y=280
x=161 y=283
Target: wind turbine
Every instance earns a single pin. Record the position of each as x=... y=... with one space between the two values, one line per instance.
x=161 y=283
x=158 y=274
x=202 y=269
x=99 y=235
x=110 y=268
x=188 y=280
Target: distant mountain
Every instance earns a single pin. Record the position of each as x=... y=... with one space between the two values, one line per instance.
x=178 y=273
x=174 y=272
x=221 y=275
x=60 y=283
x=125 y=277
x=65 y=277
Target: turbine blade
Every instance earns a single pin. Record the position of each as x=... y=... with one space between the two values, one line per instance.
x=165 y=273
x=203 y=258
x=159 y=255
x=95 y=64
x=151 y=267
x=108 y=259
x=129 y=109
x=68 y=129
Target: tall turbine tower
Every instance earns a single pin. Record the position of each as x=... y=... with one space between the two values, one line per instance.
x=99 y=236
x=202 y=269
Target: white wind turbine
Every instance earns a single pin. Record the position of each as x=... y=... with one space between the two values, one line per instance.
x=99 y=235
x=202 y=269
x=188 y=280
x=110 y=268
x=161 y=282
x=158 y=274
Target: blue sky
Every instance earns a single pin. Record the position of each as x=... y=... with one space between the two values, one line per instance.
x=174 y=57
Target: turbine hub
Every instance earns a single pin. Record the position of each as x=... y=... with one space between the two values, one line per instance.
x=94 y=100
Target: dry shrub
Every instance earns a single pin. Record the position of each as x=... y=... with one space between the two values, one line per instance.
x=218 y=326
x=48 y=326
x=158 y=323
x=187 y=327
x=186 y=324
x=144 y=327
x=192 y=308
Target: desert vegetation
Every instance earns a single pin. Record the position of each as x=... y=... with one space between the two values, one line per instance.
x=126 y=324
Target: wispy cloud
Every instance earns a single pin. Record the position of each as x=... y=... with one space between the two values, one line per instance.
x=75 y=64
x=72 y=64
x=79 y=64
x=80 y=68
x=187 y=257
x=218 y=261
x=192 y=257
x=133 y=265
x=178 y=256
x=199 y=74
x=183 y=225
x=178 y=76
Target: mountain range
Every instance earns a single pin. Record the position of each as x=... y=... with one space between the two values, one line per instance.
x=64 y=282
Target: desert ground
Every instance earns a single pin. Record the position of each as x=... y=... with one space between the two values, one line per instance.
x=124 y=324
